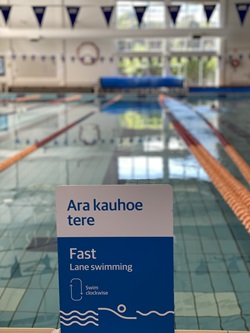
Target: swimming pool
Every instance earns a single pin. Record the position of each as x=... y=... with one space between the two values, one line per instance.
x=129 y=141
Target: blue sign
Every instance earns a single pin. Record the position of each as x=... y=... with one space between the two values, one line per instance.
x=115 y=249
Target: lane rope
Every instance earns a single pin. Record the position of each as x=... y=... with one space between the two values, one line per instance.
x=37 y=106
x=238 y=160
x=13 y=159
x=20 y=155
x=234 y=193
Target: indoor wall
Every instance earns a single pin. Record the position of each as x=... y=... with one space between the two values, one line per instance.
x=48 y=56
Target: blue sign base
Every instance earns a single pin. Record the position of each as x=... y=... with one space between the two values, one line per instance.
x=116 y=284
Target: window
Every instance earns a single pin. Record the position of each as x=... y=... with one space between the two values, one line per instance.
x=140 y=57
x=192 y=44
x=140 y=66
x=154 y=16
x=197 y=71
x=192 y=15
x=196 y=59
x=140 y=45
x=125 y=16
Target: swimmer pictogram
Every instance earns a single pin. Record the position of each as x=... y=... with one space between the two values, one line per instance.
x=92 y=317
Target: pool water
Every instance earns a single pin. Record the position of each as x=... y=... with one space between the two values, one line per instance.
x=128 y=142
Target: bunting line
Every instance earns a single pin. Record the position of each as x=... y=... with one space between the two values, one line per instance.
x=39 y=12
x=71 y=57
x=173 y=12
x=140 y=11
x=209 y=9
x=242 y=9
x=6 y=12
x=73 y=12
x=107 y=12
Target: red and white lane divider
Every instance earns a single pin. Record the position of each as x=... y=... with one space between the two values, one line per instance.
x=234 y=193
x=238 y=160
x=113 y=100
x=13 y=159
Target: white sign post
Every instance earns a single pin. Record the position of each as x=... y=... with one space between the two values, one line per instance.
x=115 y=249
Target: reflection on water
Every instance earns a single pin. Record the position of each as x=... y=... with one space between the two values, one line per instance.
x=140 y=167
x=138 y=121
x=185 y=168
x=155 y=167
x=154 y=145
x=156 y=151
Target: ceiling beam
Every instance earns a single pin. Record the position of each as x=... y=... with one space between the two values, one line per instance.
x=33 y=34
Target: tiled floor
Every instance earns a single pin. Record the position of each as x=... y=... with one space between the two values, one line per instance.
x=212 y=252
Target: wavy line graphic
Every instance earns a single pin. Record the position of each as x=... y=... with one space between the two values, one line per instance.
x=78 y=323
x=156 y=312
x=81 y=314
x=117 y=314
x=81 y=319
